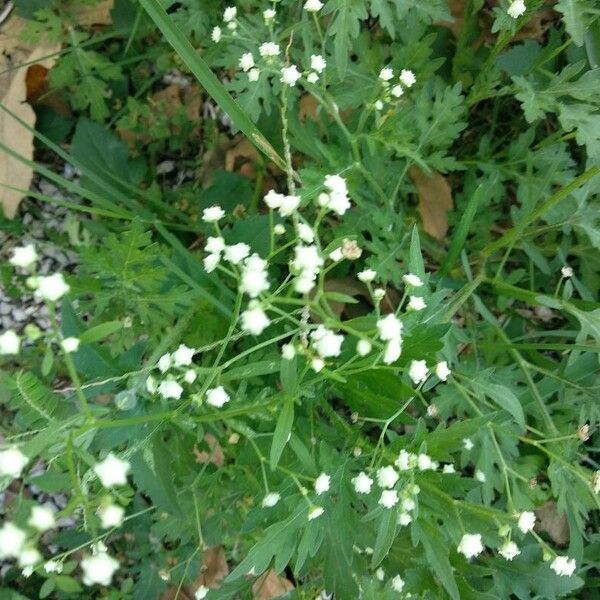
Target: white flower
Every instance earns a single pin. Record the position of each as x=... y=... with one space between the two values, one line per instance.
x=214 y=245
x=442 y=371
x=254 y=279
x=416 y=303
x=470 y=545
x=567 y=272
x=389 y=328
x=29 y=557
x=52 y=287
x=388 y=498
x=99 y=569
x=418 y=371
x=397 y=91
x=236 y=253
x=12 y=462
x=317 y=63
x=387 y=477
x=516 y=9
x=279 y=229
x=212 y=214
x=270 y=500
x=246 y=61
x=380 y=574
x=288 y=206
x=404 y=519
x=24 y=256
x=41 y=518
x=412 y=280
x=337 y=198
x=273 y=199
x=269 y=50
x=315 y=512
x=407 y=78
x=448 y=469
x=362 y=483
x=526 y=521
x=111 y=515
x=398 y=584
x=217 y=397
x=408 y=504
x=312 y=77
x=322 y=483
x=10 y=343
x=336 y=255
x=254 y=319
x=424 y=463
x=363 y=347
x=468 y=444
x=563 y=565
x=317 y=364
x=12 y=539
x=367 y=275
x=269 y=14
x=480 y=476
x=210 y=262
x=313 y=5
x=70 y=344
x=53 y=566
x=190 y=376
x=509 y=550
x=151 y=385
x=326 y=342
x=305 y=233
x=182 y=357
x=290 y=75
x=253 y=75
x=378 y=105
x=386 y=74
x=164 y=363
x=288 y=351
x=229 y=14
x=307 y=261
x=216 y=35
x=405 y=461
x=112 y=471
x=170 y=389
x=392 y=352
x=201 y=593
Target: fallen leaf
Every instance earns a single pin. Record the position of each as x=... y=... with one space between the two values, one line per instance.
x=240 y=154
x=435 y=200
x=270 y=585
x=214 y=567
x=552 y=522
x=94 y=14
x=308 y=108
x=215 y=455
x=13 y=90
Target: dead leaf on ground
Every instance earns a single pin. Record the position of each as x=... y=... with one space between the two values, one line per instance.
x=93 y=14
x=435 y=201
x=215 y=454
x=270 y=585
x=242 y=157
x=13 y=96
x=307 y=108
x=553 y=522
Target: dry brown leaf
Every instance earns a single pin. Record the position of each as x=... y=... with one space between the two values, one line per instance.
x=215 y=455
x=95 y=14
x=244 y=151
x=13 y=96
x=435 y=200
x=308 y=108
x=552 y=522
x=270 y=585
x=214 y=567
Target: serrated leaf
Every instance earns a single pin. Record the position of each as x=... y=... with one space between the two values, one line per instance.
x=386 y=534
x=282 y=431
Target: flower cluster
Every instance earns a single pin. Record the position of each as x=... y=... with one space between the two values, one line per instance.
x=393 y=91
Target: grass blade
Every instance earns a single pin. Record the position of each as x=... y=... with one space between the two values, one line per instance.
x=208 y=79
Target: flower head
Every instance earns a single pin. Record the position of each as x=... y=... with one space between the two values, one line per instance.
x=111 y=515
x=313 y=5
x=254 y=319
x=217 y=397
x=442 y=370
x=10 y=343
x=325 y=342
x=407 y=78
x=387 y=477
x=315 y=512
x=269 y=50
x=388 y=498
x=182 y=357
x=216 y=35
x=367 y=275
x=170 y=389
x=526 y=521
x=41 y=518
x=322 y=483
x=566 y=272
x=509 y=550
x=12 y=540
x=317 y=63
x=386 y=74
x=254 y=279
x=397 y=584
x=563 y=565
x=270 y=500
x=24 y=256
x=416 y=303
x=290 y=75
x=12 y=462
x=112 y=471
x=99 y=569
x=362 y=483
x=229 y=14
x=70 y=344
x=52 y=287
x=470 y=545
x=516 y=9
x=246 y=61
x=412 y=280
x=418 y=371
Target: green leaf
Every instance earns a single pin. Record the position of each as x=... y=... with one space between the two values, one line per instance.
x=67 y=584
x=503 y=397
x=577 y=16
x=282 y=431
x=386 y=534
x=437 y=556
x=99 y=332
x=47 y=588
x=192 y=59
